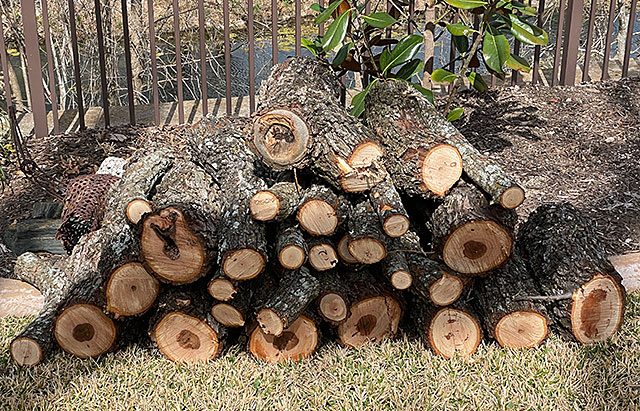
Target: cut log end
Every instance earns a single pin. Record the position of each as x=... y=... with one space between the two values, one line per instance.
x=367 y=250
x=396 y=225
x=170 y=248
x=333 y=307
x=597 y=309
x=281 y=138
x=227 y=315
x=264 y=206
x=441 y=169
x=371 y=320
x=181 y=337
x=243 y=264
x=298 y=341
x=222 y=289
x=317 y=217
x=85 y=331
x=477 y=247
x=26 y=352
x=521 y=329
x=323 y=257
x=446 y=290
x=512 y=197
x=454 y=332
x=270 y=322
x=401 y=280
x=131 y=290
x=366 y=154
x=136 y=209
x=358 y=181
x=343 y=250
x=292 y=257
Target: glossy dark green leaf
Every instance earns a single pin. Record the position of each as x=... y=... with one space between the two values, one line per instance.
x=317 y=8
x=309 y=45
x=425 y=92
x=404 y=51
x=357 y=103
x=379 y=20
x=477 y=81
x=410 y=69
x=327 y=12
x=341 y=55
x=384 y=58
x=336 y=32
x=442 y=76
x=527 y=33
x=455 y=114
x=459 y=29
x=466 y=4
x=461 y=43
x=495 y=51
x=518 y=63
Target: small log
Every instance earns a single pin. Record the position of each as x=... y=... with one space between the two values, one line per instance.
x=471 y=237
x=183 y=328
x=275 y=203
x=343 y=251
x=291 y=246
x=581 y=290
x=454 y=331
x=335 y=297
x=131 y=290
x=221 y=288
x=296 y=290
x=321 y=211
x=300 y=123
x=218 y=144
x=507 y=313
x=396 y=269
x=322 y=255
x=375 y=313
x=235 y=312
x=296 y=342
x=366 y=238
x=388 y=205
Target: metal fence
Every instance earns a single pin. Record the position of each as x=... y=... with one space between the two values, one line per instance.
x=569 y=36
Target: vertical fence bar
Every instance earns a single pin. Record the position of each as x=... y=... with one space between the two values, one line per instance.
x=52 y=78
x=127 y=60
x=587 y=51
x=571 y=42
x=429 y=35
x=321 y=26
x=274 y=32
x=627 y=43
x=298 y=27
x=227 y=55
x=203 y=58
x=5 y=67
x=252 y=64
x=76 y=63
x=476 y=27
x=607 y=41
x=154 y=63
x=514 y=73
x=556 y=58
x=538 y=49
x=178 y=44
x=412 y=12
x=34 y=67
x=103 y=65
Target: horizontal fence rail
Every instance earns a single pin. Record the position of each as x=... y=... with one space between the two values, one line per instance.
x=583 y=36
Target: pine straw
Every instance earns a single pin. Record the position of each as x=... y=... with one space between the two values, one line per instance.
x=402 y=374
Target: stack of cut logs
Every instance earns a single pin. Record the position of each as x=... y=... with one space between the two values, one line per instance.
x=304 y=222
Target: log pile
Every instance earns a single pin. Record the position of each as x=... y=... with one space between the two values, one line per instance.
x=303 y=224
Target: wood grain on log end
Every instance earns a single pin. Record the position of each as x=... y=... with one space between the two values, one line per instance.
x=181 y=337
x=322 y=256
x=367 y=250
x=264 y=206
x=270 y=322
x=597 y=309
x=281 y=138
x=396 y=225
x=512 y=197
x=446 y=290
x=243 y=264
x=360 y=180
x=136 y=209
x=292 y=257
x=454 y=331
x=333 y=308
x=222 y=289
x=365 y=154
x=343 y=250
x=521 y=329
x=401 y=280
x=372 y=320
x=441 y=169
x=85 y=331
x=26 y=352
x=296 y=342
x=170 y=248
x=227 y=315
x=318 y=217
x=131 y=290
x=477 y=247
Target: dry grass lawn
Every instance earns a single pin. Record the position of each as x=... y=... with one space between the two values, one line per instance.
x=400 y=374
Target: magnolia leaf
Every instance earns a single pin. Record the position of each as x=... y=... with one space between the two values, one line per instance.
x=410 y=69
x=327 y=12
x=379 y=20
x=495 y=51
x=459 y=29
x=336 y=32
x=466 y=4
x=425 y=92
x=357 y=103
x=477 y=82
x=341 y=55
x=527 y=33
x=518 y=63
x=442 y=76
x=455 y=114
x=404 y=51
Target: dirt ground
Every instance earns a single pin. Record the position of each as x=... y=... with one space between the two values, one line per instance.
x=578 y=144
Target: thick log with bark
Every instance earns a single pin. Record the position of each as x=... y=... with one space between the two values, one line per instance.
x=301 y=124
x=323 y=255
x=275 y=203
x=454 y=330
x=579 y=286
x=335 y=298
x=367 y=241
x=411 y=114
x=321 y=211
x=291 y=246
x=296 y=342
x=472 y=237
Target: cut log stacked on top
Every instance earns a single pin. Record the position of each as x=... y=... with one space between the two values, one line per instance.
x=305 y=215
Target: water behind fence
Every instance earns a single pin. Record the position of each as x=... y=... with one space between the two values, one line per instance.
x=188 y=51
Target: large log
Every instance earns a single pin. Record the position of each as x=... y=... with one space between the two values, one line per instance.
x=275 y=203
x=472 y=237
x=301 y=124
x=335 y=297
x=411 y=115
x=582 y=291
x=507 y=307
x=219 y=146
x=298 y=341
